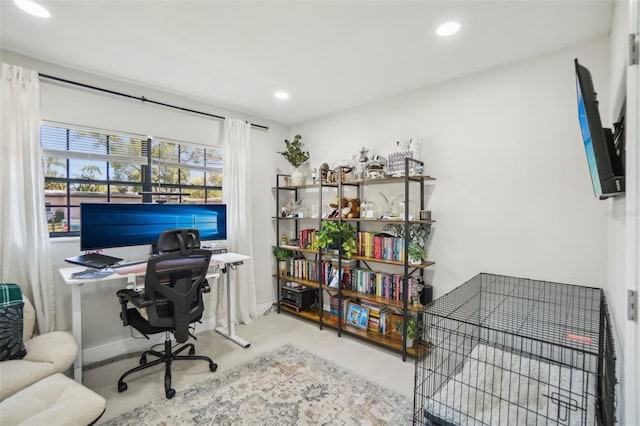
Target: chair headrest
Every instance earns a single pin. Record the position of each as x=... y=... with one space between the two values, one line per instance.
x=182 y=239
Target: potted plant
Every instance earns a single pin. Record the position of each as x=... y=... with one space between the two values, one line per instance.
x=331 y=232
x=296 y=156
x=282 y=255
x=412 y=328
x=418 y=233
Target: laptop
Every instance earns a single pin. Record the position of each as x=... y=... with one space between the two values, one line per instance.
x=93 y=260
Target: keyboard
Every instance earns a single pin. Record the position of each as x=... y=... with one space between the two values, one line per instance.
x=133 y=262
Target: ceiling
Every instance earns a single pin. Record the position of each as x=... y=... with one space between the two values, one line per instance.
x=329 y=55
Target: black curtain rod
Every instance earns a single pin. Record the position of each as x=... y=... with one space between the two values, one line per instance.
x=140 y=98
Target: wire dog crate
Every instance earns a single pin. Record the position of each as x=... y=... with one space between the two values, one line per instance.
x=516 y=351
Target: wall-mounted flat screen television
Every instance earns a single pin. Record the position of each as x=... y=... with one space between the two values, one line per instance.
x=604 y=156
x=107 y=225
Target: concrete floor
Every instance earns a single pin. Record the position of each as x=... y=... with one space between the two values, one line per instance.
x=265 y=334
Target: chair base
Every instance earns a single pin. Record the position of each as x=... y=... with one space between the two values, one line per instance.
x=167 y=357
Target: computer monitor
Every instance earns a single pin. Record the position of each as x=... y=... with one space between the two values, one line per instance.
x=107 y=225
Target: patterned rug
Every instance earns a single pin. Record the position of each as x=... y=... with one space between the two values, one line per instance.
x=286 y=387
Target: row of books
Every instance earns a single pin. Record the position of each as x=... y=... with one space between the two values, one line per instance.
x=368 y=244
x=380 y=246
x=389 y=286
x=306 y=238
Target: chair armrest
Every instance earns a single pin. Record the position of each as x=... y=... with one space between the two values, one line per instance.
x=138 y=300
x=205 y=287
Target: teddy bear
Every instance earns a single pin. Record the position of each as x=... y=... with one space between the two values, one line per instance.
x=354 y=208
x=341 y=209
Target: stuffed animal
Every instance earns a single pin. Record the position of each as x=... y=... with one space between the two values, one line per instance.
x=339 y=209
x=354 y=208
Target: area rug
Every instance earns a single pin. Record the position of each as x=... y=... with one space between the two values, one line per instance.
x=288 y=386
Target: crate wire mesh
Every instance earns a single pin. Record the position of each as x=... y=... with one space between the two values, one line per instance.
x=515 y=351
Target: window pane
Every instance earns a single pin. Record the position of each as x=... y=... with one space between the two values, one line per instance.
x=125 y=194
x=56 y=219
x=74 y=222
x=191 y=155
x=78 y=197
x=214 y=179
x=125 y=172
x=215 y=158
x=165 y=174
x=88 y=169
x=214 y=196
x=55 y=167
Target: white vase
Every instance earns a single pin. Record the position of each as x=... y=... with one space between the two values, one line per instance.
x=297 y=176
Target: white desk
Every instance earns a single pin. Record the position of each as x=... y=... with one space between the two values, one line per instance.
x=76 y=299
x=231 y=261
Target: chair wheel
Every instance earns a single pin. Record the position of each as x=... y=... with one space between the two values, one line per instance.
x=213 y=366
x=170 y=393
x=192 y=351
x=143 y=360
x=122 y=386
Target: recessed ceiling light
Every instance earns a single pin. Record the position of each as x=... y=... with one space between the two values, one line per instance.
x=281 y=95
x=32 y=8
x=447 y=29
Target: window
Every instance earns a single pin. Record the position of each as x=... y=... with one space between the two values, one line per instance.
x=89 y=165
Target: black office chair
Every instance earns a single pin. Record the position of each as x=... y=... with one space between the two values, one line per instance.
x=174 y=284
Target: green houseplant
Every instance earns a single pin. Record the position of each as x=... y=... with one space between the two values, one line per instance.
x=296 y=156
x=282 y=255
x=412 y=328
x=418 y=233
x=294 y=153
x=330 y=233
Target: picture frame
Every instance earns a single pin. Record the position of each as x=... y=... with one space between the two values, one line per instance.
x=357 y=316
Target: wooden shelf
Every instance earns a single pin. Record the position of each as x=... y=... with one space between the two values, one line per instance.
x=328 y=321
x=424 y=264
x=381 y=300
x=302 y=281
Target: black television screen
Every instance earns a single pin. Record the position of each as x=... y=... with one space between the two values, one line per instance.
x=605 y=164
x=106 y=225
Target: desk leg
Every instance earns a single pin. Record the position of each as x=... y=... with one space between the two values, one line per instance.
x=230 y=330
x=76 y=328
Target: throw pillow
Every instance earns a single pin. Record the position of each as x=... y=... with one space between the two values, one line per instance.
x=11 y=305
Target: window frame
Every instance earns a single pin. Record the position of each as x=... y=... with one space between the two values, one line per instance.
x=149 y=186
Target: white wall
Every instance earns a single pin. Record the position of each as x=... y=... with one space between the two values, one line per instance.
x=103 y=334
x=617 y=229
x=513 y=194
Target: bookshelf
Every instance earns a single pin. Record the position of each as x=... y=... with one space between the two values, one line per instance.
x=389 y=276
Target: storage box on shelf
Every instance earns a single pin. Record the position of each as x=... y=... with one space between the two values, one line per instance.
x=382 y=292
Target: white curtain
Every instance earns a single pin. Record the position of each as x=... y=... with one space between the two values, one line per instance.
x=236 y=194
x=25 y=256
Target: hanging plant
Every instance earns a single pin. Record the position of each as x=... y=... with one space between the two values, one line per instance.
x=294 y=153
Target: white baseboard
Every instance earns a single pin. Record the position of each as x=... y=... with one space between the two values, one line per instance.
x=131 y=344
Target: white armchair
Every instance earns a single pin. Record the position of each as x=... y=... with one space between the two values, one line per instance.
x=47 y=354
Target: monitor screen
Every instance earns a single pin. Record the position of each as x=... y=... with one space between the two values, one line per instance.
x=605 y=164
x=106 y=225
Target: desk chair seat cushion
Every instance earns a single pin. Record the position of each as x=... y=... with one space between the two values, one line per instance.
x=55 y=399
